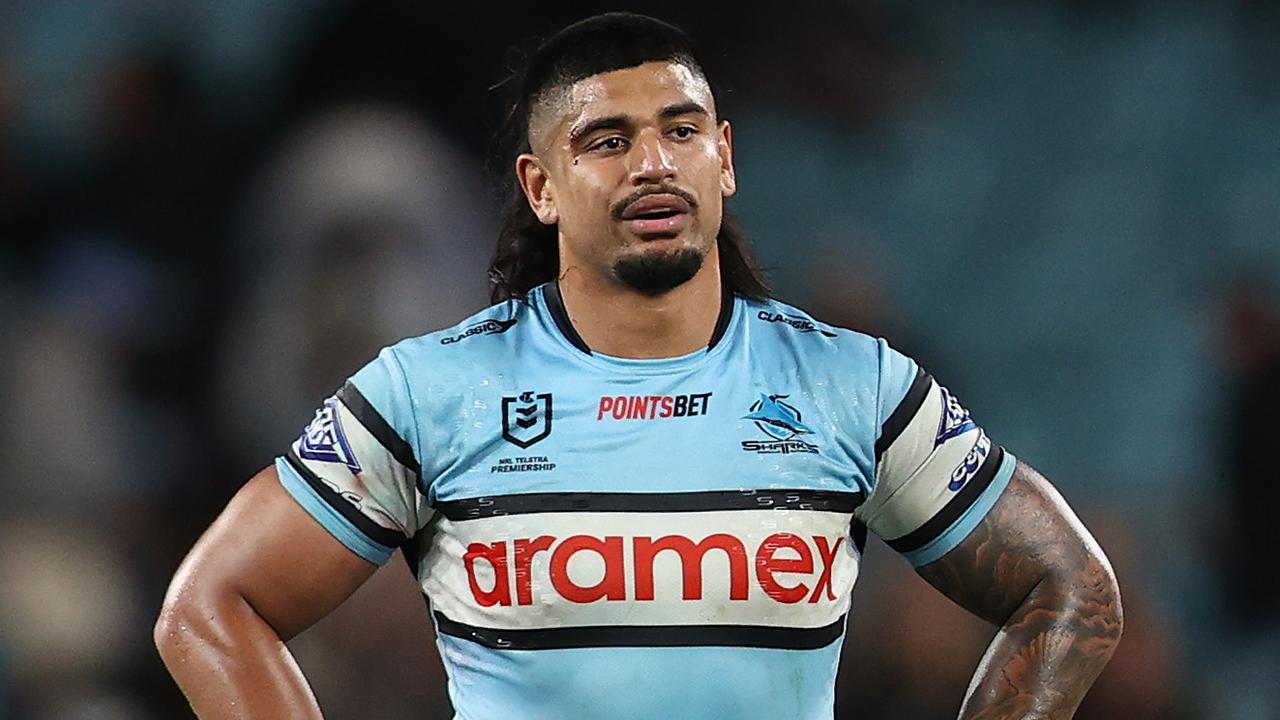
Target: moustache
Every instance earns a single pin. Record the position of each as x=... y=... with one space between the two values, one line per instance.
x=621 y=206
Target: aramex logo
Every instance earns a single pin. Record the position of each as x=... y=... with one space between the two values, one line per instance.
x=778 y=554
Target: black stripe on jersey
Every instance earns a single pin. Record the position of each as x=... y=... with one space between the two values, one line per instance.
x=416 y=546
x=645 y=636
x=378 y=427
x=726 y=314
x=906 y=410
x=555 y=304
x=952 y=511
x=385 y=537
x=859 y=532
x=765 y=499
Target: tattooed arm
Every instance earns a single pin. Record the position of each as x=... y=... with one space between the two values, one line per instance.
x=1031 y=568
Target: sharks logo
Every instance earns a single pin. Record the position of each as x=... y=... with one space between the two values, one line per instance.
x=781 y=422
x=325 y=441
x=777 y=419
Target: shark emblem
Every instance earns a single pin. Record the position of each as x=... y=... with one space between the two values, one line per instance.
x=777 y=419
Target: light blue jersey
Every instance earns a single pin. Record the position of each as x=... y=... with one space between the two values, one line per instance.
x=600 y=537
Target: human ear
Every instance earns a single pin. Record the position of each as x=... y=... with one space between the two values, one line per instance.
x=724 y=146
x=537 y=187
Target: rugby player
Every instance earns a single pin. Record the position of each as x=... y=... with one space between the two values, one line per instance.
x=636 y=486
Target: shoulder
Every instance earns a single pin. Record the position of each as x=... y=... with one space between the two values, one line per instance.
x=411 y=379
x=776 y=323
x=485 y=335
x=849 y=360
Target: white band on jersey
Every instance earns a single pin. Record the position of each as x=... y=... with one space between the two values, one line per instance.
x=352 y=460
x=934 y=464
x=557 y=570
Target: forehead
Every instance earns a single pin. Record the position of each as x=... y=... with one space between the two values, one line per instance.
x=655 y=83
x=640 y=91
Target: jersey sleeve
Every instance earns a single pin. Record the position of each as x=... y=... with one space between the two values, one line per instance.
x=937 y=473
x=354 y=469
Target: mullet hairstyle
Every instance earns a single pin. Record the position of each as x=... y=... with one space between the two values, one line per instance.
x=527 y=254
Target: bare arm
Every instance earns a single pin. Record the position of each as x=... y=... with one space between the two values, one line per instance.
x=1031 y=568
x=263 y=572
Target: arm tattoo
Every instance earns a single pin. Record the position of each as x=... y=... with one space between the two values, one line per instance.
x=1031 y=568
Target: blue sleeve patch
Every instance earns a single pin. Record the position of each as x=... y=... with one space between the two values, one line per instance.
x=330 y=519
x=960 y=529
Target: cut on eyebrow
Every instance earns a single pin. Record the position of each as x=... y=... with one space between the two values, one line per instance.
x=609 y=122
x=624 y=122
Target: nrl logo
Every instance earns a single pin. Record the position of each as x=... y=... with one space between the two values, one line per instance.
x=526 y=418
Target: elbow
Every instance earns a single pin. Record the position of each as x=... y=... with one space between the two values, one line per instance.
x=1086 y=602
x=164 y=635
x=188 y=621
x=1114 y=604
x=1098 y=606
x=173 y=625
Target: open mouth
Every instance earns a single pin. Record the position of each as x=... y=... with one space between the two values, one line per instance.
x=656 y=205
x=657 y=223
x=657 y=214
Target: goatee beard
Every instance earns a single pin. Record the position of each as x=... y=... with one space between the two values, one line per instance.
x=656 y=273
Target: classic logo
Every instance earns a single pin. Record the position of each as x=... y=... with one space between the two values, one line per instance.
x=781 y=553
x=966 y=470
x=955 y=419
x=324 y=440
x=781 y=422
x=649 y=407
x=803 y=325
x=486 y=327
x=526 y=418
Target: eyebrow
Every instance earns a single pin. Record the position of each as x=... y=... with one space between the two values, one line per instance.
x=623 y=122
x=684 y=108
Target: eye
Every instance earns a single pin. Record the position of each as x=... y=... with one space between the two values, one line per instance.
x=684 y=132
x=613 y=142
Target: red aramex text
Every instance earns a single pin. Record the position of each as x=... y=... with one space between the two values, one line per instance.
x=778 y=554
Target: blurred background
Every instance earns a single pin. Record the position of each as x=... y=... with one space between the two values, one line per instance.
x=212 y=213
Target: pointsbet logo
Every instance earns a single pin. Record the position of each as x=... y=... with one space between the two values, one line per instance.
x=785 y=567
x=652 y=407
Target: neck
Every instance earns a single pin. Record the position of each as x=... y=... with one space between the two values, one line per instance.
x=616 y=320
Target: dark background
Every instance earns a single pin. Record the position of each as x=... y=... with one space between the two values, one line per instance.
x=212 y=213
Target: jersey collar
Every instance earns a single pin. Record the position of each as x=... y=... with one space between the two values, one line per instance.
x=555 y=305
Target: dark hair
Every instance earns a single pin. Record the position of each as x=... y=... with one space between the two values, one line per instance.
x=526 y=254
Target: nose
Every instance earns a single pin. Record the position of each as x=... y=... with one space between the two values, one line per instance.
x=651 y=161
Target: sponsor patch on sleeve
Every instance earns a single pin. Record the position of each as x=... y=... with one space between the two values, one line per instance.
x=955 y=419
x=325 y=441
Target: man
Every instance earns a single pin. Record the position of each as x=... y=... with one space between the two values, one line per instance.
x=637 y=488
